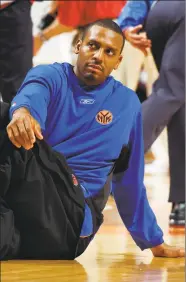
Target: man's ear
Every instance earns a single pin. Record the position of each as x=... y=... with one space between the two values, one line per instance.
x=118 y=63
x=77 y=47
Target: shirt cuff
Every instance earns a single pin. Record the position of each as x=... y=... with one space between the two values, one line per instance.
x=155 y=243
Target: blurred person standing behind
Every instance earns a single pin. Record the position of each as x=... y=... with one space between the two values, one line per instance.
x=74 y=15
x=15 y=46
x=165 y=27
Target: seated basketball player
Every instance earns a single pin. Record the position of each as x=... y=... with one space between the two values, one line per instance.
x=74 y=131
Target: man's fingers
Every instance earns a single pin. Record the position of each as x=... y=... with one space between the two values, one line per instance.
x=19 y=138
x=20 y=134
x=12 y=138
x=37 y=130
x=29 y=130
x=16 y=134
x=23 y=136
x=23 y=131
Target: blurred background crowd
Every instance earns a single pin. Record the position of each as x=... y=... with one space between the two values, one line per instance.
x=42 y=32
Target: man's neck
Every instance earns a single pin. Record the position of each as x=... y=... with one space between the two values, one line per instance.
x=83 y=83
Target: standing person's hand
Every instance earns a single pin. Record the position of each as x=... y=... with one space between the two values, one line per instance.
x=138 y=40
x=23 y=129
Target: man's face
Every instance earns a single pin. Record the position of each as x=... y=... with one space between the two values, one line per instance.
x=98 y=54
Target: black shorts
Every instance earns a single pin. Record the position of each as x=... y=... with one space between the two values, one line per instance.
x=41 y=209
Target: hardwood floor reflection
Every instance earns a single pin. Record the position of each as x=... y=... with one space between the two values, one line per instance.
x=112 y=256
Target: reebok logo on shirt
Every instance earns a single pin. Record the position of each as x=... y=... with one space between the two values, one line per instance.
x=87 y=101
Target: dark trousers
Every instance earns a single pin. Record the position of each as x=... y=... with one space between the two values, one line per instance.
x=15 y=47
x=41 y=209
x=166 y=105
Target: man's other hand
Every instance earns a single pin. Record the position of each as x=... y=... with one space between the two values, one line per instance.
x=23 y=129
x=167 y=251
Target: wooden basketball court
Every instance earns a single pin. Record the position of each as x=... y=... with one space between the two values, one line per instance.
x=112 y=256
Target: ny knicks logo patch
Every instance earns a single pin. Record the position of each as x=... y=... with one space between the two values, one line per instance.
x=104 y=117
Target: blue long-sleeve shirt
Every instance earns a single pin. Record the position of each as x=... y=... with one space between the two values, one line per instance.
x=134 y=13
x=90 y=127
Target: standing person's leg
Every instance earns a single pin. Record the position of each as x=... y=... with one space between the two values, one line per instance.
x=168 y=91
x=16 y=47
x=167 y=98
x=161 y=23
x=129 y=69
x=176 y=143
x=151 y=71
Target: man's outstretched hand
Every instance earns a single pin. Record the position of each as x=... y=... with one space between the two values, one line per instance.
x=167 y=251
x=23 y=129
